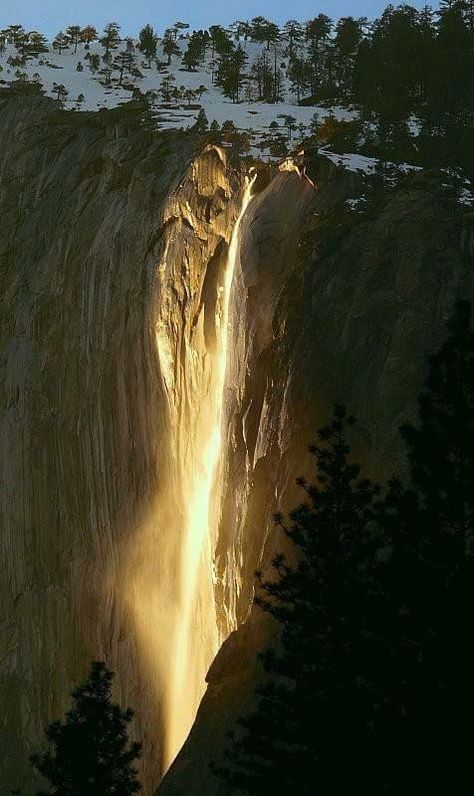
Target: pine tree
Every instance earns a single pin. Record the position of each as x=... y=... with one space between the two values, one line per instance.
x=202 y=124
x=293 y=33
x=298 y=74
x=449 y=115
x=441 y=448
x=61 y=42
x=241 y=29
x=166 y=87
x=37 y=44
x=73 y=32
x=90 y=752
x=61 y=91
x=88 y=34
x=196 y=51
x=169 y=45
x=125 y=60
x=318 y=30
x=290 y=122
x=262 y=30
x=220 y=40
x=263 y=76
x=313 y=721
x=111 y=38
x=147 y=43
x=430 y=579
x=230 y=73
x=348 y=36
x=94 y=62
x=191 y=57
x=15 y=33
x=201 y=89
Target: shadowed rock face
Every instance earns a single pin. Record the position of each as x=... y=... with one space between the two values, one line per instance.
x=112 y=238
x=334 y=307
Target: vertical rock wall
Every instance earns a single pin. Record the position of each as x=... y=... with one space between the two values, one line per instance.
x=332 y=306
x=95 y=258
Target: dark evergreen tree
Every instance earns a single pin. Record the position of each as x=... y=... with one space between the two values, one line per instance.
x=111 y=38
x=449 y=114
x=147 y=43
x=370 y=688
x=429 y=582
x=230 y=73
x=262 y=30
x=191 y=57
x=220 y=40
x=293 y=33
x=262 y=75
x=14 y=33
x=166 y=87
x=289 y=121
x=73 y=32
x=197 y=45
x=61 y=91
x=311 y=729
x=61 y=42
x=170 y=47
x=298 y=74
x=89 y=752
x=94 y=62
x=202 y=124
x=125 y=60
x=348 y=36
x=36 y=45
x=441 y=447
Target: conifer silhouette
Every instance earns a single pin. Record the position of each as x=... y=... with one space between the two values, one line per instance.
x=370 y=688
x=429 y=581
x=312 y=701
x=90 y=753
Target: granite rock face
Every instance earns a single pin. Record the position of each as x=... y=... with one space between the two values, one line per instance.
x=89 y=204
x=113 y=241
x=335 y=307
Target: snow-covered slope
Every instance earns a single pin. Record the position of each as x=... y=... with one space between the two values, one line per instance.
x=53 y=68
x=89 y=89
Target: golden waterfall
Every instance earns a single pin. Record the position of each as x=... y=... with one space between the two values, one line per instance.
x=169 y=569
x=194 y=646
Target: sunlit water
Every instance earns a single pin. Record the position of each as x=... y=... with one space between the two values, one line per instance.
x=169 y=574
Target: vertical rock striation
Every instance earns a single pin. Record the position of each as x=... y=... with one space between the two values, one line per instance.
x=110 y=235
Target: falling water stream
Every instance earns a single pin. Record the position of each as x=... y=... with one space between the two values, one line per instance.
x=195 y=636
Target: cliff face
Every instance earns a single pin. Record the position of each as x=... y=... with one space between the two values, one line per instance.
x=114 y=244
x=96 y=259
x=336 y=307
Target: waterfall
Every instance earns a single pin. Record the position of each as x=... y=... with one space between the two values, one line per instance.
x=169 y=571
x=195 y=634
